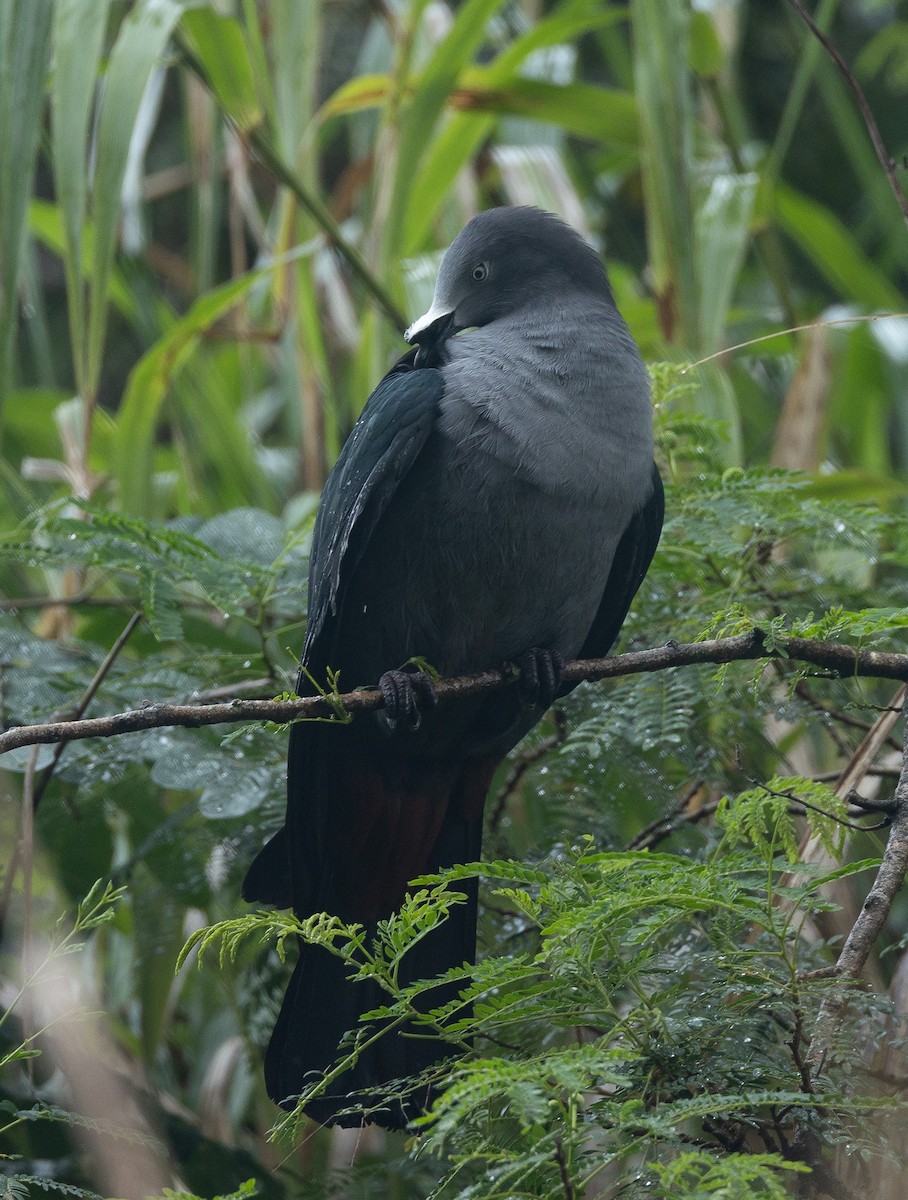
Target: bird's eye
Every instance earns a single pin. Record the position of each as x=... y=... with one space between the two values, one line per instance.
x=480 y=272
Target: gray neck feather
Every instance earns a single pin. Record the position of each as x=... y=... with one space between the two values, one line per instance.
x=560 y=396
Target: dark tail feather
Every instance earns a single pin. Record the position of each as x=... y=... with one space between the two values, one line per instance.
x=267 y=880
x=322 y=1004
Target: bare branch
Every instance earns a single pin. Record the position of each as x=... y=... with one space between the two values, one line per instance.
x=833 y=658
x=866 y=111
x=530 y=756
x=871 y=919
x=87 y=697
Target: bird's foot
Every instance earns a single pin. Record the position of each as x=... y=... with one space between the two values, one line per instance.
x=541 y=673
x=403 y=692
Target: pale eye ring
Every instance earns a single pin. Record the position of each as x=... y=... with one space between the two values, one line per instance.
x=481 y=272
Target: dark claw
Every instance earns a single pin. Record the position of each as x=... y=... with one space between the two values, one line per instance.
x=541 y=673
x=401 y=692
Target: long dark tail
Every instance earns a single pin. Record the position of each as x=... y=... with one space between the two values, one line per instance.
x=323 y=1004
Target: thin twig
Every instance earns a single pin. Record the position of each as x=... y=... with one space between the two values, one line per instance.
x=657 y=831
x=678 y=814
x=266 y=153
x=865 y=318
x=25 y=851
x=803 y=692
x=22 y=851
x=832 y=776
x=869 y=924
x=567 y=1185
x=89 y=694
x=838 y=660
x=866 y=111
x=806 y=806
x=523 y=763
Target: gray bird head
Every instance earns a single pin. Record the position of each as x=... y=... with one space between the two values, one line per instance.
x=503 y=260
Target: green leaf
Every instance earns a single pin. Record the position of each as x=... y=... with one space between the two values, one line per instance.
x=463 y=133
x=45 y=220
x=705 y=49
x=160 y=600
x=721 y=233
x=147 y=386
x=598 y=113
x=79 y=27
x=823 y=238
x=138 y=48
x=660 y=32
x=24 y=54
x=218 y=43
x=430 y=93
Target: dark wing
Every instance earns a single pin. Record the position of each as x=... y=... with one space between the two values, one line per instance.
x=380 y=450
x=630 y=564
x=377 y=455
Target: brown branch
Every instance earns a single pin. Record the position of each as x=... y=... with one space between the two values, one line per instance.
x=831 y=657
x=36 y=791
x=871 y=919
x=866 y=111
x=663 y=827
x=523 y=763
x=803 y=692
x=679 y=814
x=260 y=145
x=89 y=694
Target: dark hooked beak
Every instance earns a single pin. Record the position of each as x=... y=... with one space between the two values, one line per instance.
x=430 y=333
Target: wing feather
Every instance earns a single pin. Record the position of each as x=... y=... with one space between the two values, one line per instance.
x=630 y=564
x=384 y=444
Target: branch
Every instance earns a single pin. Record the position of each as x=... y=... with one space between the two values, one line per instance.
x=866 y=111
x=89 y=695
x=871 y=919
x=273 y=162
x=831 y=657
x=35 y=791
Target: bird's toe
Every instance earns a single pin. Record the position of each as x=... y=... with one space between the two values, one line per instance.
x=541 y=674
x=402 y=693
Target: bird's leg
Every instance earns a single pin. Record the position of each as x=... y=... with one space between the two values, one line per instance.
x=541 y=673
x=402 y=692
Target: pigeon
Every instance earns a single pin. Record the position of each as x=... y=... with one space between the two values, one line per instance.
x=497 y=502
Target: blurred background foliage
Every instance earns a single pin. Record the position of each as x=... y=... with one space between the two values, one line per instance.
x=215 y=219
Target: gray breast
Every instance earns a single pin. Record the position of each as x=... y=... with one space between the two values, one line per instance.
x=561 y=398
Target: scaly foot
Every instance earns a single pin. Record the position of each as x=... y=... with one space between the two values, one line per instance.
x=541 y=673
x=403 y=692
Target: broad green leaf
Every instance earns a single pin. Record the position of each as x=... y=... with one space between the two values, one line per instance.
x=138 y=48
x=29 y=427
x=45 y=220
x=206 y=406
x=857 y=486
x=357 y=95
x=823 y=238
x=660 y=33
x=24 y=53
x=147 y=386
x=705 y=48
x=421 y=115
x=721 y=233
x=463 y=134
x=218 y=43
x=79 y=27
x=598 y=113
x=296 y=44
